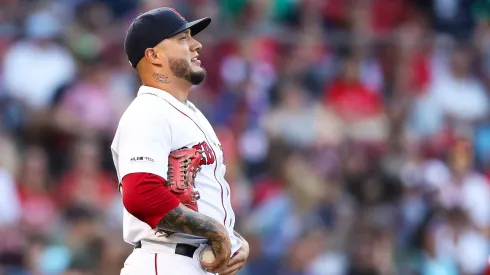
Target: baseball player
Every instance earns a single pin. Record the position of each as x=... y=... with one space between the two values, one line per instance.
x=169 y=161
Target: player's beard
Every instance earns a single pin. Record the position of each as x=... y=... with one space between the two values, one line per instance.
x=182 y=69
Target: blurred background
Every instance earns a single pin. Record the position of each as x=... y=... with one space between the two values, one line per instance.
x=356 y=132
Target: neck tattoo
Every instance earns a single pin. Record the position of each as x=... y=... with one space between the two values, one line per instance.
x=161 y=78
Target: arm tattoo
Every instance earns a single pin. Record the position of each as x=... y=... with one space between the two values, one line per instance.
x=185 y=220
x=161 y=78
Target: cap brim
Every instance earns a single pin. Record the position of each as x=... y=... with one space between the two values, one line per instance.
x=195 y=26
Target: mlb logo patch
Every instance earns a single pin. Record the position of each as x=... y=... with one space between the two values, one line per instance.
x=142 y=159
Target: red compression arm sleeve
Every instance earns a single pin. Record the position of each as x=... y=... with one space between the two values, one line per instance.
x=147 y=198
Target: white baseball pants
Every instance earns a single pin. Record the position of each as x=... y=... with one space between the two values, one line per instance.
x=160 y=259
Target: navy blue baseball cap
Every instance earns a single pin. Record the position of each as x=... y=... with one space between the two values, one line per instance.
x=152 y=27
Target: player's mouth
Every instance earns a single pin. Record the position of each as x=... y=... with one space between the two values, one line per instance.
x=196 y=60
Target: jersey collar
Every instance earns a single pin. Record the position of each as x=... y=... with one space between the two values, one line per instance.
x=167 y=97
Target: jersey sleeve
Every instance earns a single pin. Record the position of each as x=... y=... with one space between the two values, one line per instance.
x=144 y=146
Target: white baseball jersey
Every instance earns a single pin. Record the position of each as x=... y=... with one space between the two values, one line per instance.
x=155 y=124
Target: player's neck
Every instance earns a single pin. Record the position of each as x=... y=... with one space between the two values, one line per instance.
x=178 y=88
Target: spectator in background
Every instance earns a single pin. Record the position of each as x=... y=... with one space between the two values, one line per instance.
x=455 y=98
x=305 y=256
x=11 y=239
x=298 y=121
x=421 y=177
x=466 y=188
x=356 y=104
x=349 y=97
x=83 y=238
x=251 y=70
x=369 y=68
x=38 y=208
x=280 y=220
x=89 y=106
x=9 y=108
x=34 y=67
x=431 y=263
x=271 y=184
x=455 y=243
x=86 y=183
x=9 y=201
x=372 y=253
x=452 y=16
x=77 y=247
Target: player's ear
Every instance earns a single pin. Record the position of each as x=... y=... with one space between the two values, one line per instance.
x=154 y=56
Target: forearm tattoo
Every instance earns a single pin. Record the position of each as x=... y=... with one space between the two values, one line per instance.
x=185 y=220
x=161 y=78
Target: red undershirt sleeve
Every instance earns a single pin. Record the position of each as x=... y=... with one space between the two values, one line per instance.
x=146 y=197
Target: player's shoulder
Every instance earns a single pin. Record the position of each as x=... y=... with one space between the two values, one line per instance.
x=145 y=107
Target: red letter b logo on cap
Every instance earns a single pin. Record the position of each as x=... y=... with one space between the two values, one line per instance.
x=176 y=12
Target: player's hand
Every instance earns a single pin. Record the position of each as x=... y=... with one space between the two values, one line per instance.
x=222 y=251
x=238 y=260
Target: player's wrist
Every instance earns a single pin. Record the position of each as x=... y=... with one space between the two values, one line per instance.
x=219 y=235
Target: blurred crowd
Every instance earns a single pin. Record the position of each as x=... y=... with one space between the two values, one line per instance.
x=356 y=132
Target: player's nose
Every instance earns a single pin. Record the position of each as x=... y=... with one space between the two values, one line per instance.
x=196 y=45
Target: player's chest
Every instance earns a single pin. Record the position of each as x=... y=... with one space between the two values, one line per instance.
x=196 y=132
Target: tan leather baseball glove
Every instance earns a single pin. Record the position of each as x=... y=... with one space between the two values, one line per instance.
x=183 y=166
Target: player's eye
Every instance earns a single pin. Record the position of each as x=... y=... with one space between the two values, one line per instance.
x=183 y=38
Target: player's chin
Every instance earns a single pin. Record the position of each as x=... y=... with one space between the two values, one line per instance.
x=198 y=70
x=197 y=76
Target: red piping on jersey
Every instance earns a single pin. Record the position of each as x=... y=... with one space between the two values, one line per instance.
x=214 y=153
x=156 y=265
